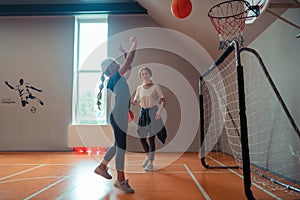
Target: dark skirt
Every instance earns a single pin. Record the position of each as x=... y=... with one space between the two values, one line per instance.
x=148 y=126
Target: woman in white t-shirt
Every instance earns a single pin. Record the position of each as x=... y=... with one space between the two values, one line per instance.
x=151 y=99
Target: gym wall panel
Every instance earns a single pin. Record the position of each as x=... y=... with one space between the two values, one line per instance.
x=279 y=48
x=36 y=66
x=283 y=59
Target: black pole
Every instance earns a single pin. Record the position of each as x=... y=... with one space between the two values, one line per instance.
x=201 y=109
x=244 y=129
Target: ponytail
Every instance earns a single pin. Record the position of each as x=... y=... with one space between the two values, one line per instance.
x=99 y=96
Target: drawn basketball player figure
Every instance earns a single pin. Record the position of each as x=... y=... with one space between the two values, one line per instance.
x=25 y=93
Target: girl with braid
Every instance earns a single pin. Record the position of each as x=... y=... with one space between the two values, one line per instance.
x=150 y=124
x=118 y=116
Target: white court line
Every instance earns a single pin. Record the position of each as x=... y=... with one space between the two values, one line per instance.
x=3 y=164
x=46 y=188
x=25 y=154
x=21 y=172
x=197 y=183
x=69 y=191
x=259 y=187
x=44 y=164
x=26 y=179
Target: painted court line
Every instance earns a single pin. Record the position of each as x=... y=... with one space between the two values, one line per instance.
x=44 y=164
x=259 y=187
x=34 y=178
x=46 y=188
x=21 y=172
x=197 y=183
x=69 y=191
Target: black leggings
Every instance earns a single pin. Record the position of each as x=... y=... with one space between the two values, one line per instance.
x=119 y=147
x=149 y=148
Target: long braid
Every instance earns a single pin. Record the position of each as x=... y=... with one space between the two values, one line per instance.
x=99 y=96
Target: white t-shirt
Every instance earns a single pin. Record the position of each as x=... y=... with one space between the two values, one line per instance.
x=148 y=97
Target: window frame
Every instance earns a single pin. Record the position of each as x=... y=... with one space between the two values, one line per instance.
x=77 y=71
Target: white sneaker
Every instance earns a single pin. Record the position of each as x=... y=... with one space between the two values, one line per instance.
x=149 y=167
x=145 y=163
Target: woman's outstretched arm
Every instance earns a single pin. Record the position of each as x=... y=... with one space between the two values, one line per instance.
x=127 y=63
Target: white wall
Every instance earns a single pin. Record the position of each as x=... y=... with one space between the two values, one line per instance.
x=40 y=51
x=280 y=50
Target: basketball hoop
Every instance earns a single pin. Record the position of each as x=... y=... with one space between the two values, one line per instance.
x=229 y=19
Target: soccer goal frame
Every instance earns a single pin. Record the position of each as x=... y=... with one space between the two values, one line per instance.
x=243 y=120
x=236 y=117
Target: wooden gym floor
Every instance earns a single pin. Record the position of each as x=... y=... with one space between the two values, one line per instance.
x=69 y=175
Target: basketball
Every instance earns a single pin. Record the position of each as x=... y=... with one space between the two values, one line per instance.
x=181 y=8
x=130 y=116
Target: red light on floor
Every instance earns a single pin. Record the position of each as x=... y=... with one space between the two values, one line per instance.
x=89 y=150
x=80 y=149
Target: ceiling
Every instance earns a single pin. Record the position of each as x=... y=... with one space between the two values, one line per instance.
x=198 y=26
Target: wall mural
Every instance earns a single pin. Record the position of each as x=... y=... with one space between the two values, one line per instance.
x=27 y=94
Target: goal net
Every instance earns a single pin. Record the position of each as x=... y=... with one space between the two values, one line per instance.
x=271 y=146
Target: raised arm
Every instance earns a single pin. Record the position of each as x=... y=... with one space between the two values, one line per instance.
x=129 y=58
x=35 y=89
x=123 y=51
x=126 y=75
x=10 y=86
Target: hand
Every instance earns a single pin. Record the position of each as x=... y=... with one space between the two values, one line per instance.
x=133 y=102
x=133 y=39
x=158 y=115
x=122 y=49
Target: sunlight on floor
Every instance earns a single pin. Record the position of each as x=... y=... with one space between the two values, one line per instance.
x=88 y=185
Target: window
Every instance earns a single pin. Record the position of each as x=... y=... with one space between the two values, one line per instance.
x=90 y=50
